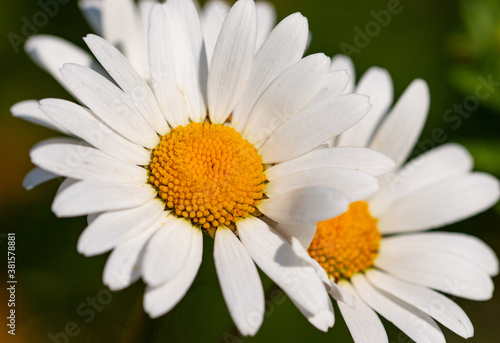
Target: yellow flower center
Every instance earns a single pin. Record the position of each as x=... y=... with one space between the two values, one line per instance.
x=348 y=243
x=208 y=174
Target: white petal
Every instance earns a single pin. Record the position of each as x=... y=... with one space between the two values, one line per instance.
x=174 y=71
x=110 y=104
x=315 y=124
x=72 y=159
x=212 y=17
x=440 y=270
x=29 y=110
x=468 y=247
x=129 y=80
x=284 y=47
x=304 y=233
x=186 y=9
x=110 y=228
x=301 y=252
x=355 y=185
x=336 y=83
x=290 y=272
x=121 y=27
x=399 y=132
x=437 y=165
x=168 y=250
x=341 y=62
x=365 y=160
x=441 y=204
x=91 y=217
x=239 y=281
x=123 y=265
x=89 y=197
x=266 y=19
x=51 y=53
x=305 y=206
x=160 y=300
x=145 y=7
x=36 y=177
x=92 y=10
x=322 y=320
x=377 y=84
x=339 y=294
x=144 y=13
x=335 y=291
x=417 y=325
x=428 y=301
x=80 y=122
x=289 y=93
x=68 y=182
x=363 y=323
x=61 y=140
x=232 y=60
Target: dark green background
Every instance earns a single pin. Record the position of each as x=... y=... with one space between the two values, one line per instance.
x=54 y=280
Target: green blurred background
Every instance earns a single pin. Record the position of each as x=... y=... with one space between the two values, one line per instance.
x=448 y=43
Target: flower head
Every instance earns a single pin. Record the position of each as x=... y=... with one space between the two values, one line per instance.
x=182 y=144
x=399 y=276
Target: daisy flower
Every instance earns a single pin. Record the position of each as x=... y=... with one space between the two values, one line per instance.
x=156 y=163
x=377 y=252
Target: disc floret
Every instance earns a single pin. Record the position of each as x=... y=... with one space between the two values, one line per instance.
x=208 y=174
x=348 y=243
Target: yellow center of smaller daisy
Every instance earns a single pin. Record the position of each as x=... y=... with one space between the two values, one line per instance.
x=209 y=174
x=348 y=243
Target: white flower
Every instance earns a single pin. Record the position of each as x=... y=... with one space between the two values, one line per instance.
x=398 y=276
x=152 y=170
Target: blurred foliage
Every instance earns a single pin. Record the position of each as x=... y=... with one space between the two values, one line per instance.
x=475 y=52
x=485 y=152
x=475 y=49
x=54 y=280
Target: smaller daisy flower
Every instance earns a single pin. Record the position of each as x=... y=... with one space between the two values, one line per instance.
x=399 y=276
x=197 y=147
